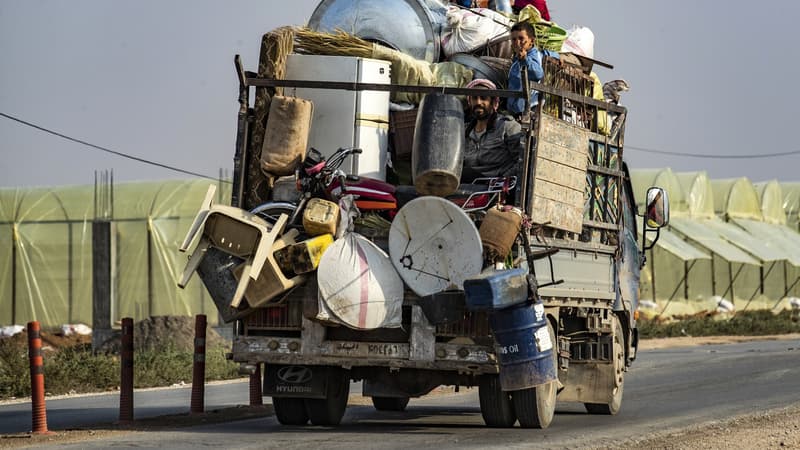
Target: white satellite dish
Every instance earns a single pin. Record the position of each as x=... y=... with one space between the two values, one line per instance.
x=434 y=245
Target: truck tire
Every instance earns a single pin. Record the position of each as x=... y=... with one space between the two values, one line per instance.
x=613 y=407
x=390 y=403
x=496 y=406
x=328 y=411
x=536 y=406
x=290 y=411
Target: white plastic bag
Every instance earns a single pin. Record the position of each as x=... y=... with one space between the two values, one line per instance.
x=468 y=30
x=359 y=286
x=75 y=328
x=10 y=330
x=580 y=41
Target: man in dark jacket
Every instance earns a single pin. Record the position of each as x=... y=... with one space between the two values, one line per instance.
x=494 y=143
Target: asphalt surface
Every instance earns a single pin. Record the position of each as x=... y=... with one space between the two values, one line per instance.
x=666 y=390
x=83 y=411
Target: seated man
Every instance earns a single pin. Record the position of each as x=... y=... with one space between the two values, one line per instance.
x=494 y=143
x=523 y=40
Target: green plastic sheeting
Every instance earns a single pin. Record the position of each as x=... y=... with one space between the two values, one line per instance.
x=676 y=246
x=643 y=179
x=736 y=198
x=753 y=256
x=676 y=269
x=734 y=274
x=791 y=204
x=46 y=252
x=753 y=245
x=701 y=232
x=780 y=237
x=770 y=196
x=698 y=192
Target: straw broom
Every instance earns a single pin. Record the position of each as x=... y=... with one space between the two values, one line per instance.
x=338 y=43
x=405 y=68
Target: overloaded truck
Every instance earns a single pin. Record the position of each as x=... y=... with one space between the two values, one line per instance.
x=333 y=270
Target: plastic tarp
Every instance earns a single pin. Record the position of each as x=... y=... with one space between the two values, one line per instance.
x=678 y=247
x=791 y=204
x=45 y=243
x=771 y=198
x=745 y=265
x=699 y=232
x=736 y=197
x=698 y=192
x=676 y=272
x=46 y=252
x=778 y=237
x=747 y=242
x=643 y=179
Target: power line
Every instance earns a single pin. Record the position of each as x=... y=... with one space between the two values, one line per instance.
x=108 y=150
x=177 y=169
x=701 y=155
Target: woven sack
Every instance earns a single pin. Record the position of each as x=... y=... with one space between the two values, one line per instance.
x=286 y=136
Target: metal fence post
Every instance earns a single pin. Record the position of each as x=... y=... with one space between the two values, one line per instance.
x=199 y=366
x=126 y=373
x=38 y=407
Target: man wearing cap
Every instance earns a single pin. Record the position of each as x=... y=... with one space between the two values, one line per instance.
x=494 y=143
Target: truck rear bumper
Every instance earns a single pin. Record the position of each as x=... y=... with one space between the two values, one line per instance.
x=463 y=358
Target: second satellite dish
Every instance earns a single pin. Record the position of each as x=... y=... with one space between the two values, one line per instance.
x=434 y=245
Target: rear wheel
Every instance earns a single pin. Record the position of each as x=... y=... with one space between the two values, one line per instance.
x=536 y=406
x=496 y=406
x=290 y=411
x=390 y=403
x=330 y=410
x=612 y=408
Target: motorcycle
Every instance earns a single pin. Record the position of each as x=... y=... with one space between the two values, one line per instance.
x=377 y=201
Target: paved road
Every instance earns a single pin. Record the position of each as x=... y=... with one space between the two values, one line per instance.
x=79 y=412
x=666 y=389
x=84 y=411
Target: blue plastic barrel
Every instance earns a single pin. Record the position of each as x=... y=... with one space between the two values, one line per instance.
x=523 y=346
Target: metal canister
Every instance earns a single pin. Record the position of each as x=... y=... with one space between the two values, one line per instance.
x=524 y=346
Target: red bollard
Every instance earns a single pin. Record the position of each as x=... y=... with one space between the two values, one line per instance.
x=199 y=366
x=38 y=408
x=126 y=373
x=256 y=399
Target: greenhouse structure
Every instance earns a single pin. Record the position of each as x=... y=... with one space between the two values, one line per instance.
x=46 y=251
x=741 y=251
x=728 y=240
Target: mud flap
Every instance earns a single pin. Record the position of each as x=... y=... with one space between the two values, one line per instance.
x=295 y=381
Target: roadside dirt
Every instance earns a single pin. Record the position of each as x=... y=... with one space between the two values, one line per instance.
x=157 y=331
x=148 y=334
x=777 y=429
x=651 y=344
x=23 y=440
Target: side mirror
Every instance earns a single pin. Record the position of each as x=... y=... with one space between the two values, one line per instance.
x=657 y=211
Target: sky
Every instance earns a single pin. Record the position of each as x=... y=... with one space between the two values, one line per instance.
x=155 y=80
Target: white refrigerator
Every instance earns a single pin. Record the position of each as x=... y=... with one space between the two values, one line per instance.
x=346 y=118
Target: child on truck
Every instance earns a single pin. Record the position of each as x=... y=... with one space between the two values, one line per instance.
x=523 y=40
